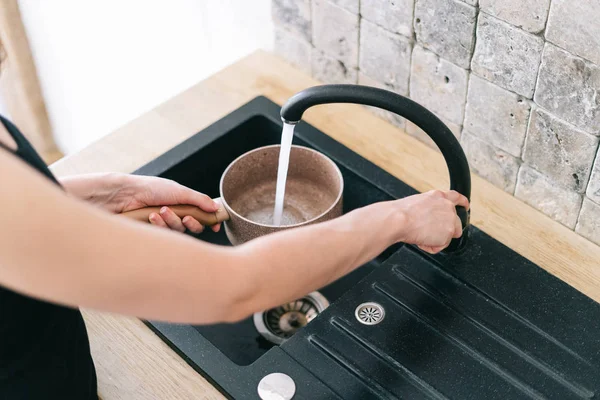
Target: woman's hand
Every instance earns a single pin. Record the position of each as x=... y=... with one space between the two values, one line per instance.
x=429 y=219
x=118 y=193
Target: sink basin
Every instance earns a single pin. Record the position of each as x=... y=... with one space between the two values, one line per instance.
x=482 y=323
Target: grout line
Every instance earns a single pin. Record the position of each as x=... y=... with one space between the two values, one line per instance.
x=389 y=31
x=542 y=33
x=518 y=181
x=586 y=60
x=578 y=218
x=537 y=75
x=539 y=34
x=413 y=44
x=567 y=123
x=596 y=160
x=503 y=88
x=547 y=16
x=527 y=131
x=470 y=70
x=578 y=213
x=412 y=22
x=477 y=13
x=521 y=156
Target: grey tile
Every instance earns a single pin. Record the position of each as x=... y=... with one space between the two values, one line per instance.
x=392 y=118
x=569 y=87
x=394 y=15
x=560 y=151
x=294 y=15
x=496 y=115
x=438 y=85
x=335 y=31
x=593 y=189
x=575 y=26
x=417 y=132
x=506 y=55
x=491 y=163
x=539 y=192
x=329 y=70
x=529 y=15
x=588 y=224
x=446 y=27
x=385 y=56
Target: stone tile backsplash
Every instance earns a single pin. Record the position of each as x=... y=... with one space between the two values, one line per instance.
x=518 y=82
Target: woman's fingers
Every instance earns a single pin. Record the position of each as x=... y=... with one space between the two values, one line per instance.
x=155 y=219
x=186 y=195
x=457 y=198
x=168 y=219
x=432 y=249
x=457 y=228
x=172 y=220
x=192 y=224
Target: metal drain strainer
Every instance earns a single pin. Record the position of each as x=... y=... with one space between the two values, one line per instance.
x=369 y=313
x=280 y=323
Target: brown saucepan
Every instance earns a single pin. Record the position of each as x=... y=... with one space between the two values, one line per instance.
x=313 y=194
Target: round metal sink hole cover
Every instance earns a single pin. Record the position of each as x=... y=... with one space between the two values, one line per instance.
x=280 y=323
x=276 y=386
x=369 y=313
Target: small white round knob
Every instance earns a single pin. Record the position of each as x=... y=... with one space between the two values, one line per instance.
x=276 y=386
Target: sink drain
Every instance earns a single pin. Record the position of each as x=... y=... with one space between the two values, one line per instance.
x=280 y=323
x=369 y=313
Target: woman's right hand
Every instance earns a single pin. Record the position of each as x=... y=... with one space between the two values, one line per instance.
x=429 y=220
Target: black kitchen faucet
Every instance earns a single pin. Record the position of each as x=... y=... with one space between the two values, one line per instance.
x=458 y=167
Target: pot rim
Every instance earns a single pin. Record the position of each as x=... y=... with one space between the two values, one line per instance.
x=328 y=210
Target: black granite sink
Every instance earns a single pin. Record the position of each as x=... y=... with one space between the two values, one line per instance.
x=483 y=323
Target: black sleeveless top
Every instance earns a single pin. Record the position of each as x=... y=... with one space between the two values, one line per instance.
x=44 y=348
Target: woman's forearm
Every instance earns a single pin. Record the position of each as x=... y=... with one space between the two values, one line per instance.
x=269 y=267
x=98 y=189
x=285 y=266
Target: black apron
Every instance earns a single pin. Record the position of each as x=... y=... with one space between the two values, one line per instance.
x=44 y=348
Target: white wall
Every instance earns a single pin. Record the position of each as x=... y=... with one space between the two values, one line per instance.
x=104 y=62
x=3 y=110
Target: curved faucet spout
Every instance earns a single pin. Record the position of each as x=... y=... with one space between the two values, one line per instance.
x=458 y=166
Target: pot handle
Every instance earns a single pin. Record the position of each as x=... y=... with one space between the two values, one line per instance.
x=205 y=218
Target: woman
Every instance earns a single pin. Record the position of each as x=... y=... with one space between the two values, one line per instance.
x=60 y=249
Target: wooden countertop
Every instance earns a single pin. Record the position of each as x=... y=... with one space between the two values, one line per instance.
x=133 y=363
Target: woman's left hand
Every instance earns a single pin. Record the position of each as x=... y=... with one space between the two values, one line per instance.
x=122 y=192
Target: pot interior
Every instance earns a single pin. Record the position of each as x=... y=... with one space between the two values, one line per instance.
x=314 y=184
